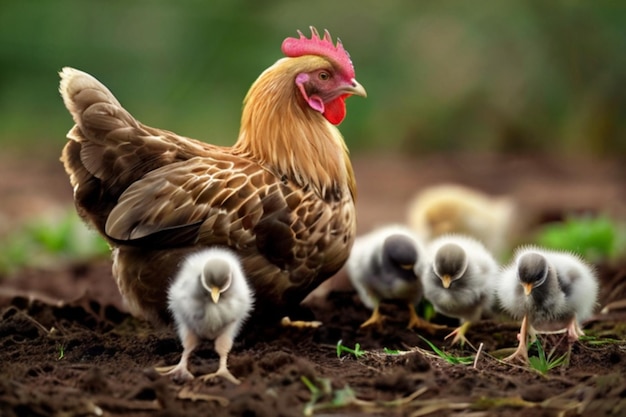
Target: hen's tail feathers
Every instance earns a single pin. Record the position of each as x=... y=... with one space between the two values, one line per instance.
x=94 y=109
x=108 y=149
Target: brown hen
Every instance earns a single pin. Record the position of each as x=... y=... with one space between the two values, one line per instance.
x=282 y=197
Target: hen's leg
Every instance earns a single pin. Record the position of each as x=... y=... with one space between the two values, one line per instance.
x=300 y=324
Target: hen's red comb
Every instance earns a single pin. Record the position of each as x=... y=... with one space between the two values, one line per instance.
x=295 y=47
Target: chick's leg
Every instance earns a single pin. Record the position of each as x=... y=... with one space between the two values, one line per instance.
x=180 y=372
x=459 y=334
x=522 y=348
x=574 y=331
x=376 y=318
x=223 y=345
x=416 y=322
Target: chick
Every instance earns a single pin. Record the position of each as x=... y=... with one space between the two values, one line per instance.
x=460 y=280
x=209 y=298
x=384 y=265
x=549 y=291
x=448 y=208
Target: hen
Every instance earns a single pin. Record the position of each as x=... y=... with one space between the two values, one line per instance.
x=282 y=198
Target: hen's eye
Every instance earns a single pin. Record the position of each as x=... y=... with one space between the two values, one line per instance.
x=324 y=75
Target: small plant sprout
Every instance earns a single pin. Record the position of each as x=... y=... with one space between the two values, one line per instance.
x=339 y=398
x=357 y=352
x=316 y=394
x=391 y=351
x=544 y=363
x=428 y=310
x=61 y=349
x=600 y=341
x=454 y=360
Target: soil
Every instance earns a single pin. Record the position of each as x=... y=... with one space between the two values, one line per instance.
x=69 y=348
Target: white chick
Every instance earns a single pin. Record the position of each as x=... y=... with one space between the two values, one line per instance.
x=455 y=209
x=549 y=291
x=209 y=298
x=460 y=280
x=384 y=265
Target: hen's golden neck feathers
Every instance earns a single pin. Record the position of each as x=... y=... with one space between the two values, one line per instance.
x=284 y=134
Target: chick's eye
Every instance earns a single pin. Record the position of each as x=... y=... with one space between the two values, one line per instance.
x=324 y=76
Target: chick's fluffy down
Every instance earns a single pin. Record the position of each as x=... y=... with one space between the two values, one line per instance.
x=192 y=306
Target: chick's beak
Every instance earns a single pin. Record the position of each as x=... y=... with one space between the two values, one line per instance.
x=528 y=288
x=355 y=89
x=215 y=294
x=445 y=281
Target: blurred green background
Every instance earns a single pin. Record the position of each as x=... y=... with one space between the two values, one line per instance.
x=490 y=75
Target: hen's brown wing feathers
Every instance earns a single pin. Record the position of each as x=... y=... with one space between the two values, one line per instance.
x=183 y=193
x=229 y=201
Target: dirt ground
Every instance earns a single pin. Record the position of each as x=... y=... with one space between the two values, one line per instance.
x=68 y=347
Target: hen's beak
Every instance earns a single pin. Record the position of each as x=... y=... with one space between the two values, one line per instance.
x=355 y=89
x=446 y=280
x=528 y=288
x=215 y=294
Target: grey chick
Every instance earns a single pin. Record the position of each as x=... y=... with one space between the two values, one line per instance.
x=460 y=280
x=384 y=265
x=209 y=298
x=549 y=291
